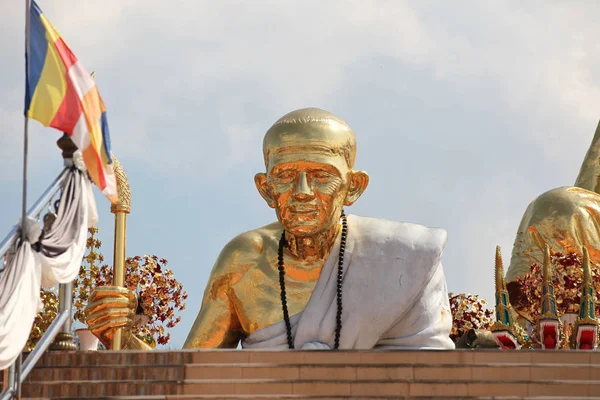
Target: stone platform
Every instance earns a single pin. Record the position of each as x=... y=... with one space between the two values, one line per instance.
x=247 y=374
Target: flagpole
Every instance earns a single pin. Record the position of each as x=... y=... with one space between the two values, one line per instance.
x=14 y=371
x=26 y=120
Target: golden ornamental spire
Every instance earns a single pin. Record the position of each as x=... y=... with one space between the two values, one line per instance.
x=504 y=330
x=589 y=174
x=123 y=190
x=587 y=272
x=499 y=271
x=547 y=272
x=585 y=331
x=549 y=325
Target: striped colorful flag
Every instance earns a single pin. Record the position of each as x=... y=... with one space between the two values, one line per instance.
x=61 y=94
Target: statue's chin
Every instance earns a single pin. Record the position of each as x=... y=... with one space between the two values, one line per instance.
x=303 y=229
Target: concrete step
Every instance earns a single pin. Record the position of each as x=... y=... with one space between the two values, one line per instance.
x=318 y=357
x=483 y=372
x=108 y=373
x=261 y=387
x=271 y=397
x=315 y=374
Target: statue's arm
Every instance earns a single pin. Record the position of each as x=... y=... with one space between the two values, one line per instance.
x=217 y=324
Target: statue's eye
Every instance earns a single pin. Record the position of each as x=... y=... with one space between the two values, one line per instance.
x=285 y=176
x=321 y=176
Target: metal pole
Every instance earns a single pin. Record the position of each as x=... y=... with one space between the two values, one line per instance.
x=43 y=344
x=7 y=243
x=15 y=377
x=64 y=338
x=25 y=119
x=12 y=377
x=18 y=363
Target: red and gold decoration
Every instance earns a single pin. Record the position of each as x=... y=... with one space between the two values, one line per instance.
x=85 y=282
x=160 y=295
x=505 y=331
x=566 y=280
x=585 y=331
x=549 y=324
x=44 y=318
x=469 y=311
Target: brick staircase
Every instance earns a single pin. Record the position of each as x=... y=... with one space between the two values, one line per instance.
x=317 y=375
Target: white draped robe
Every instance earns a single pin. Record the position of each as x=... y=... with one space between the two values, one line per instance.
x=394 y=293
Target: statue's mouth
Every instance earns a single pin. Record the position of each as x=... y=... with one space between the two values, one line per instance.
x=303 y=210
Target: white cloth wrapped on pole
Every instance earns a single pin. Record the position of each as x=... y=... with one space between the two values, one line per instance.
x=57 y=260
x=64 y=268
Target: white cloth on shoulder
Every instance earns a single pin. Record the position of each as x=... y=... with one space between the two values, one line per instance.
x=394 y=293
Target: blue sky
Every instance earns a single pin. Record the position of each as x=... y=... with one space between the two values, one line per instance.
x=463 y=113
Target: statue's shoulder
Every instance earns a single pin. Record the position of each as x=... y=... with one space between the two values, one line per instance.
x=397 y=253
x=399 y=237
x=247 y=246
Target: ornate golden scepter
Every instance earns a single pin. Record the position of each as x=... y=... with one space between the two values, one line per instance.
x=120 y=209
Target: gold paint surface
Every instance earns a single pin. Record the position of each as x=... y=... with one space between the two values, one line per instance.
x=120 y=209
x=309 y=158
x=111 y=309
x=123 y=189
x=566 y=219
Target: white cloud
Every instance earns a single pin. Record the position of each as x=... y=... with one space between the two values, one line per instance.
x=297 y=53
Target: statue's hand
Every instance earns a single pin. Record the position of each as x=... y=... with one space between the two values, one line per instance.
x=109 y=308
x=315 y=346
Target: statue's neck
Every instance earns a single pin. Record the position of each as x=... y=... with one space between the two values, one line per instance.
x=312 y=247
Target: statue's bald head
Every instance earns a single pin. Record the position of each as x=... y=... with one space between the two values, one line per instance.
x=310 y=129
x=310 y=176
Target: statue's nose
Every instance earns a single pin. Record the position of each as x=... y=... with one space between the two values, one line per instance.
x=302 y=190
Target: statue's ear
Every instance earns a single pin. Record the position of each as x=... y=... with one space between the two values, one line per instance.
x=358 y=184
x=260 y=180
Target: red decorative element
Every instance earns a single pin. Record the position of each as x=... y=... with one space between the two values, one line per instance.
x=586 y=339
x=505 y=340
x=550 y=336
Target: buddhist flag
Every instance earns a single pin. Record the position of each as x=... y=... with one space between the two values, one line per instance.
x=61 y=94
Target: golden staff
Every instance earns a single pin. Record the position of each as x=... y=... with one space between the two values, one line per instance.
x=120 y=209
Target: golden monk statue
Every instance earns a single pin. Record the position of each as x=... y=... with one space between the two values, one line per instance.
x=316 y=278
x=566 y=219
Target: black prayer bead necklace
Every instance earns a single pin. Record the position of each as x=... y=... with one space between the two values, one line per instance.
x=338 y=317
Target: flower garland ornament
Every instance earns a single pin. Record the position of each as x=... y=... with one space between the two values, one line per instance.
x=85 y=282
x=160 y=295
x=469 y=312
x=49 y=311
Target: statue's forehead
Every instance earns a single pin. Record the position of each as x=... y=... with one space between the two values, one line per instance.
x=313 y=132
x=307 y=154
x=329 y=134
